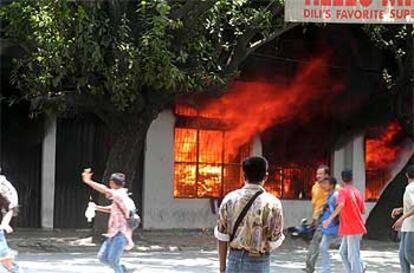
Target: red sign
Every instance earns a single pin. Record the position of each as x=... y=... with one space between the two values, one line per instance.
x=350 y=11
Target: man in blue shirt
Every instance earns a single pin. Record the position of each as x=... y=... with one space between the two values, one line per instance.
x=330 y=232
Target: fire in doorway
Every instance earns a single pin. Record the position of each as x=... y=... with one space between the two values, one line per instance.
x=387 y=150
x=212 y=138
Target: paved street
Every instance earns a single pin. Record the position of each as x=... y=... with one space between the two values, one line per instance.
x=189 y=261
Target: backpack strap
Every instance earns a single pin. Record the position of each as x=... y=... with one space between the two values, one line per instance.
x=243 y=214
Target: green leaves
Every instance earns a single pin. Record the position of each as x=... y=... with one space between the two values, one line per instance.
x=82 y=50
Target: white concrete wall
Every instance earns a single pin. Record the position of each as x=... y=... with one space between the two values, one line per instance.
x=358 y=163
x=48 y=173
x=351 y=155
x=338 y=162
x=295 y=210
x=160 y=209
x=257 y=148
x=369 y=206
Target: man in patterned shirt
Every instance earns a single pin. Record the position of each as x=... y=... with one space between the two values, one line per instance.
x=259 y=232
x=119 y=236
x=9 y=207
x=9 y=192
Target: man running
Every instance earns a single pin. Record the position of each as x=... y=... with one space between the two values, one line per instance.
x=319 y=197
x=250 y=223
x=406 y=224
x=119 y=236
x=350 y=207
x=330 y=232
x=8 y=191
x=9 y=203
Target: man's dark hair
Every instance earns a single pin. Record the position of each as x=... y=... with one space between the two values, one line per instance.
x=324 y=167
x=347 y=176
x=118 y=178
x=410 y=172
x=332 y=181
x=255 y=169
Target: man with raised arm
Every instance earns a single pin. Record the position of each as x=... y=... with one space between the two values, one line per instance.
x=119 y=236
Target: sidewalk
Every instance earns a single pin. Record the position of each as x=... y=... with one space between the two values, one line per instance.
x=76 y=241
x=38 y=241
x=283 y=261
x=71 y=251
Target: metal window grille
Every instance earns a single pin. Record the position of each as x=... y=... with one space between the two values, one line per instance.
x=376 y=180
x=291 y=182
x=203 y=168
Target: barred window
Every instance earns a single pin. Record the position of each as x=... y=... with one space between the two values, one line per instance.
x=291 y=182
x=383 y=148
x=206 y=166
x=203 y=167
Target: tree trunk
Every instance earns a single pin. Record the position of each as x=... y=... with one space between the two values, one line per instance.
x=379 y=223
x=125 y=155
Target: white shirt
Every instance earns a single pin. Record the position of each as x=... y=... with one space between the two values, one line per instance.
x=408 y=224
x=129 y=203
x=9 y=192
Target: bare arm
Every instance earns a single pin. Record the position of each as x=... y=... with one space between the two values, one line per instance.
x=395 y=212
x=97 y=186
x=221 y=232
x=399 y=223
x=337 y=211
x=362 y=205
x=7 y=218
x=408 y=214
x=87 y=179
x=222 y=249
x=104 y=209
x=5 y=223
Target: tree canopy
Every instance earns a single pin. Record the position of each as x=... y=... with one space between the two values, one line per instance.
x=125 y=61
x=397 y=43
x=129 y=56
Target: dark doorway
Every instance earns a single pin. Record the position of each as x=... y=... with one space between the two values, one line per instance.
x=81 y=142
x=21 y=155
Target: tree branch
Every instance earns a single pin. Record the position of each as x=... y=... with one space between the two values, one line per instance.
x=189 y=13
x=182 y=11
x=191 y=9
x=240 y=53
x=243 y=49
x=271 y=37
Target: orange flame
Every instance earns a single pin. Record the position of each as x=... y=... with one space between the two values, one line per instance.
x=204 y=167
x=208 y=161
x=381 y=154
x=252 y=107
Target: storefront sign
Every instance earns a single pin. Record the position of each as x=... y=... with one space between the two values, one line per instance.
x=350 y=11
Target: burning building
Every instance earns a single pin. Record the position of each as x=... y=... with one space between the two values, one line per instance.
x=316 y=98
x=204 y=164
x=325 y=110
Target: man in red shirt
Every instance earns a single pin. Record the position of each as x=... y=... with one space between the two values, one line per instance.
x=351 y=207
